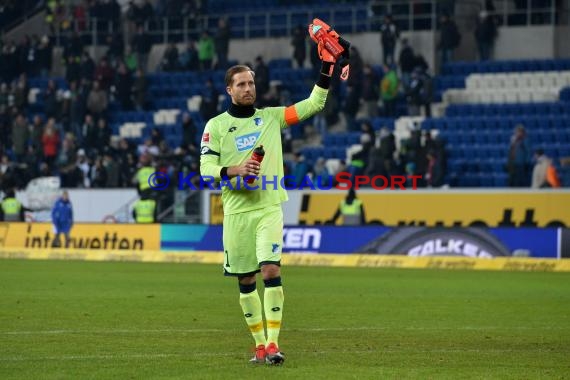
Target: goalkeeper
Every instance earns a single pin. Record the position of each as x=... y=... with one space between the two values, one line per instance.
x=253 y=218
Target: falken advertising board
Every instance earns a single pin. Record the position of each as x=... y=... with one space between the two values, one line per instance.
x=411 y=241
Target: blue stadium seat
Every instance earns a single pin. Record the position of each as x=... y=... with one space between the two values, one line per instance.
x=427 y=124
x=346 y=139
x=279 y=63
x=379 y=122
x=452 y=110
x=562 y=136
x=459 y=81
x=559 y=122
x=548 y=136
x=504 y=124
x=564 y=150
x=353 y=138
x=472 y=165
x=308 y=153
x=486 y=179
x=329 y=140
x=500 y=179
x=439 y=124
x=455 y=165
x=475 y=124
x=482 y=137
x=300 y=18
x=530 y=122
x=470 y=180
x=342 y=20
x=458 y=68
x=470 y=136
x=496 y=165
x=340 y=152
x=453 y=137
x=485 y=123
x=361 y=14
x=453 y=125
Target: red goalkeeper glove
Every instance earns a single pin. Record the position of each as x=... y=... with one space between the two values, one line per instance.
x=332 y=47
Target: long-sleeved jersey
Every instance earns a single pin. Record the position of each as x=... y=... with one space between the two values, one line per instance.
x=229 y=141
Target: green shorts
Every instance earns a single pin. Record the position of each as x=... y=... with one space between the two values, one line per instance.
x=251 y=239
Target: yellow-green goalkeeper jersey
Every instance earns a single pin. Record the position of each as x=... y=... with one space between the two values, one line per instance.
x=229 y=141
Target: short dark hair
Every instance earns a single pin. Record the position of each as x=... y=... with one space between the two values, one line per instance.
x=539 y=151
x=234 y=70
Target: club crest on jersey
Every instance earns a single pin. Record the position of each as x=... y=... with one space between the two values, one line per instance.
x=246 y=142
x=258 y=121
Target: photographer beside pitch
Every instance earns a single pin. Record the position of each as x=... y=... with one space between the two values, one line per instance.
x=253 y=219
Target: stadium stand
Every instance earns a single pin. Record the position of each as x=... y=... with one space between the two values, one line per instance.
x=495 y=98
x=477 y=135
x=482 y=102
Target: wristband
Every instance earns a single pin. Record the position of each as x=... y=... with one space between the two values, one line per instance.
x=324 y=80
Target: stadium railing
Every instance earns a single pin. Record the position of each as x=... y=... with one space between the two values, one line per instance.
x=347 y=18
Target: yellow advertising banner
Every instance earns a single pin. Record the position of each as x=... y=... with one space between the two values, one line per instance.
x=131 y=237
x=216 y=209
x=153 y=256
x=321 y=260
x=446 y=209
x=435 y=262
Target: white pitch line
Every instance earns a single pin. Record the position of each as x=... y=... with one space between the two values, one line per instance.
x=110 y=331
x=315 y=329
x=376 y=351
x=166 y=331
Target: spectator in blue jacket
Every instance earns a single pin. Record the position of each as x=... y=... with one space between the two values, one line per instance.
x=300 y=170
x=62 y=219
x=519 y=159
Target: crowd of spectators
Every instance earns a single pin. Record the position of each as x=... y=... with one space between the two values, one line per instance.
x=64 y=17
x=64 y=129
x=367 y=94
x=377 y=155
x=69 y=135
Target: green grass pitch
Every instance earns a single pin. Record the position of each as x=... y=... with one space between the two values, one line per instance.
x=97 y=320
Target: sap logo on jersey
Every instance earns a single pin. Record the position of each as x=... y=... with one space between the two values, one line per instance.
x=302 y=238
x=246 y=142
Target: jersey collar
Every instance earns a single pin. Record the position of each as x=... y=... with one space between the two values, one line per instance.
x=241 y=111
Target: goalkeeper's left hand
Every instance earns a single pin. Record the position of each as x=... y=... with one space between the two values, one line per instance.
x=331 y=46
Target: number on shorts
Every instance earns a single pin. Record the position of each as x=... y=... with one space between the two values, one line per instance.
x=227 y=258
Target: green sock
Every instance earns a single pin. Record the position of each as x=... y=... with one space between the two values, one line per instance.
x=251 y=306
x=273 y=305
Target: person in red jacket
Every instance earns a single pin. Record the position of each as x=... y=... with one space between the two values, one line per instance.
x=50 y=142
